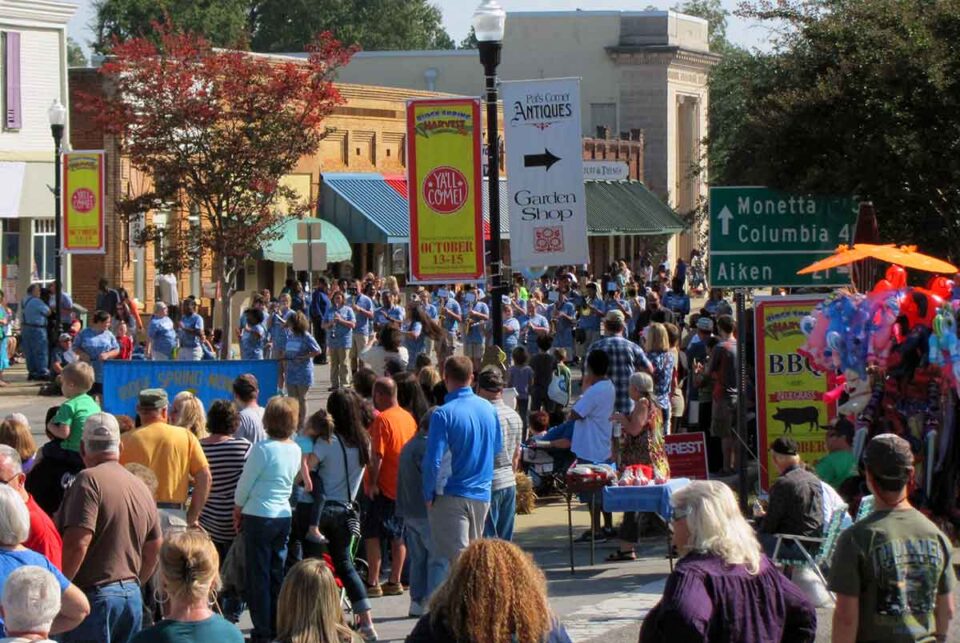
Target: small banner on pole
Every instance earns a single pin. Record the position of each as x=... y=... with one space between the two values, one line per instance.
x=82 y=203
x=446 y=206
x=548 y=205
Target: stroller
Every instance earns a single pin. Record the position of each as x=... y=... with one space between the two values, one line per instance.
x=546 y=468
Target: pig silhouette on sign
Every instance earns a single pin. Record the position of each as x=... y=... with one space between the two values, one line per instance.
x=803 y=415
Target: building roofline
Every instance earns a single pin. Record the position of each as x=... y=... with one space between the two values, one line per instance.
x=51 y=12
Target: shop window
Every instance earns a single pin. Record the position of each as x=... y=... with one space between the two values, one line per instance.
x=10 y=259
x=44 y=251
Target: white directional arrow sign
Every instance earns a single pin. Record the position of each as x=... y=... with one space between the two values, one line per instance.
x=725 y=216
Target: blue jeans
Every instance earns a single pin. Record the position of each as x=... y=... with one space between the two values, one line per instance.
x=116 y=614
x=266 y=551
x=503 y=510
x=426 y=571
x=333 y=524
x=36 y=350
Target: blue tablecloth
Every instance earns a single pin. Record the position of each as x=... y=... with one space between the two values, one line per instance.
x=649 y=499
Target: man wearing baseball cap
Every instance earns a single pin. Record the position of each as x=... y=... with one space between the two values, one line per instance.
x=174 y=456
x=796 y=501
x=891 y=571
x=503 y=490
x=111 y=533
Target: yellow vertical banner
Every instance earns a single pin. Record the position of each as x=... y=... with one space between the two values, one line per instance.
x=82 y=203
x=789 y=392
x=444 y=183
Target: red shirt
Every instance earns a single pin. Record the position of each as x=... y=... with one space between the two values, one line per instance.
x=126 y=347
x=44 y=537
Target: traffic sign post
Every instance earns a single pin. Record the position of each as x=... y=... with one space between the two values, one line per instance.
x=548 y=209
x=760 y=238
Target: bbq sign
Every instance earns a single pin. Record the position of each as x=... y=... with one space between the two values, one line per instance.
x=444 y=175
x=548 y=210
x=83 y=216
x=789 y=393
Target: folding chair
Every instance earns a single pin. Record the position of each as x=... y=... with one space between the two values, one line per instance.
x=828 y=544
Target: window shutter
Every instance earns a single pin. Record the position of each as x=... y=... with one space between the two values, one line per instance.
x=12 y=108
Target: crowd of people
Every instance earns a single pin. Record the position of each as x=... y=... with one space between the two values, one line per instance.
x=166 y=526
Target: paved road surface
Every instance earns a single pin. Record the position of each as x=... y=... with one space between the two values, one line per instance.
x=604 y=603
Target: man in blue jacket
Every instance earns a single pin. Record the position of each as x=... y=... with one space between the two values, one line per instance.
x=458 y=464
x=319 y=305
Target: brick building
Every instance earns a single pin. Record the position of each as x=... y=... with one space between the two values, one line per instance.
x=356 y=184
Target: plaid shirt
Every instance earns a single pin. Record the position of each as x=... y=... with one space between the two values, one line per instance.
x=626 y=358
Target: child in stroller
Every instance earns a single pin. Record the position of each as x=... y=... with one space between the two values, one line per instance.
x=546 y=465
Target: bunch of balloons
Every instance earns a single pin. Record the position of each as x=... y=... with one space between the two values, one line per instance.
x=849 y=332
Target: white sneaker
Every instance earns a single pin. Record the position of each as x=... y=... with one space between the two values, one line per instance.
x=416 y=609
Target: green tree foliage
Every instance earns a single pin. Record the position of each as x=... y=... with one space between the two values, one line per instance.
x=287 y=25
x=861 y=97
x=75 y=55
x=470 y=41
x=224 y=23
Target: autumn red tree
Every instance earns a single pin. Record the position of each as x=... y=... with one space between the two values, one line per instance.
x=216 y=130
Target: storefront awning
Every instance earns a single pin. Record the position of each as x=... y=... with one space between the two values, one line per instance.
x=373 y=208
x=281 y=250
x=26 y=189
x=628 y=207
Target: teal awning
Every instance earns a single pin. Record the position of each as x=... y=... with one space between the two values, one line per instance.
x=281 y=250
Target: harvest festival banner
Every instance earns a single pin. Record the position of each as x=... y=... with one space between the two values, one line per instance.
x=789 y=393
x=83 y=215
x=444 y=175
x=209 y=380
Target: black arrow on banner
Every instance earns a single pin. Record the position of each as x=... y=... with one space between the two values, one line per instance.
x=545 y=160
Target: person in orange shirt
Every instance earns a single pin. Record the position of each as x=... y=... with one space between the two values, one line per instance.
x=392 y=429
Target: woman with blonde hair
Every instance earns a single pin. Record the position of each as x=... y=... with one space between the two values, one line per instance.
x=657 y=347
x=496 y=594
x=262 y=512
x=714 y=592
x=189 y=573
x=309 y=609
x=641 y=443
x=187 y=411
x=16 y=433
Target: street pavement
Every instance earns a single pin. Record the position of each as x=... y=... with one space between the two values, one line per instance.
x=602 y=603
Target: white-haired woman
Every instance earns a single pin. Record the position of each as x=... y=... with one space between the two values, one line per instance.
x=724 y=589
x=31 y=602
x=14 y=529
x=641 y=443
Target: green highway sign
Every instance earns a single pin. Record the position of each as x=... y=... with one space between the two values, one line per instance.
x=760 y=238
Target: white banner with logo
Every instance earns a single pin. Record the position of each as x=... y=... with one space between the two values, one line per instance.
x=548 y=210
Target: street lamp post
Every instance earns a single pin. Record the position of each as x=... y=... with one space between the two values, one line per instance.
x=488 y=24
x=58 y=118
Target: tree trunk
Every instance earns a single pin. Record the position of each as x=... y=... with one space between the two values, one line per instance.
x=226 y=278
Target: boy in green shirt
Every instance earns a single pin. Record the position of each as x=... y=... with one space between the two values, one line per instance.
x=840 y=463
x=67 y=424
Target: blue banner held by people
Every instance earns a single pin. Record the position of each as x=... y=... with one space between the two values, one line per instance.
x=208 y=380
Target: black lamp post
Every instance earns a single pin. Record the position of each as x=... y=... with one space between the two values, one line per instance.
x=488 y=24
x=58 y=119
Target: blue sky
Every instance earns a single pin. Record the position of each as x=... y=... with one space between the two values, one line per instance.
x=457 y=14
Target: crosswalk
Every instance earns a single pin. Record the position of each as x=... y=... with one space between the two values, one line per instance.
x=621 y=610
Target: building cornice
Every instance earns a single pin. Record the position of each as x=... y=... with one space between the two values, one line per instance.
x=662 y=55
x=37 y=12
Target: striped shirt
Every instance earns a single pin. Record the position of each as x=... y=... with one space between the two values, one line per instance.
x=226 y=464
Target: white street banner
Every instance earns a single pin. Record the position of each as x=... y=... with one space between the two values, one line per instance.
x=548 y=210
